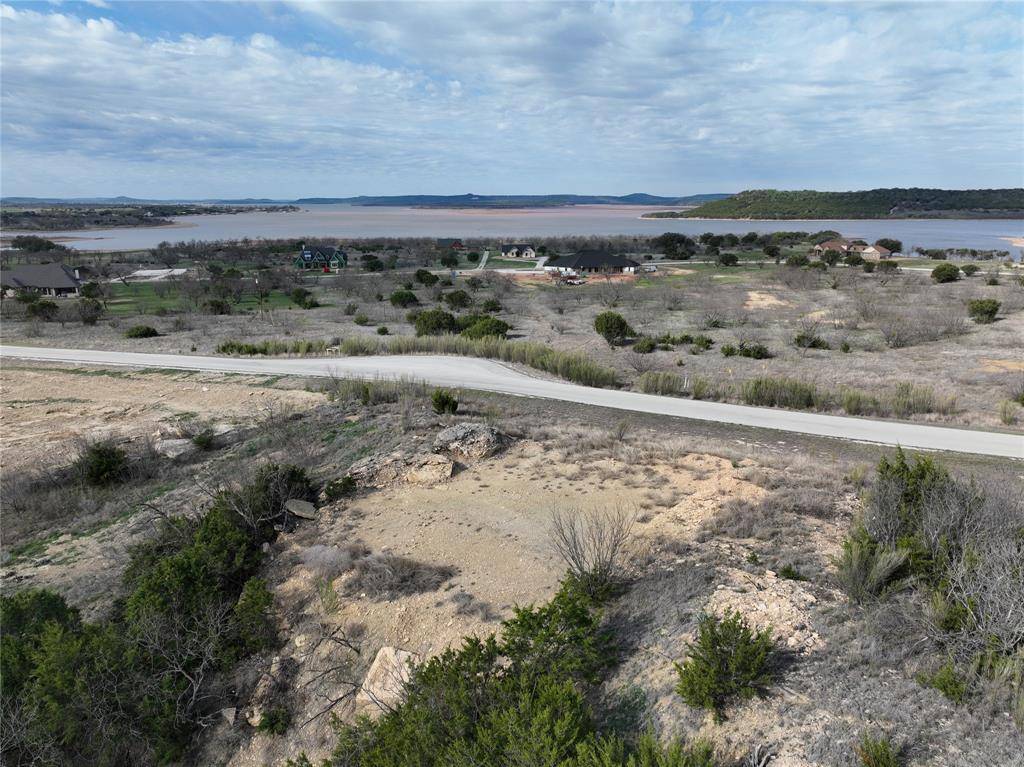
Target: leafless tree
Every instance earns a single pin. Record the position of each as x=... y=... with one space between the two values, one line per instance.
x=592 y=545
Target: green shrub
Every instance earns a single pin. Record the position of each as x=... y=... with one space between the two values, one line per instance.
x=868 y=266
x=404 y=298
x=946 y=680
x=42 y=309
x=946 y=272
x=275 y=721
x=983 y=310
x=657 y=382
x=854 y=259
x=444 y=402
x=141 y=331
x=754 y=351
x=361 y=319
x=424 y=277
x=339 y=488
x=798 y=259
x=612 y=327
x=434 y=322
x=272 y=348
x=382 y=330
x=911 y=399
x=101 y=463
x=867 y=571
x=876 y=752
x=457 y=299
x=701 y=343
x=809 y=340
x=514 y=701
x=487 y=326
x=252 y=617
x=970 y=270
x=844 y=347
x=729 y=351
x=614 y=751
x=728 y=662
x=645 y=345
x=303 y=298
x=779 y=392
x=491 y=305
x=727 y=259
x=790 y=573
x=204 y=439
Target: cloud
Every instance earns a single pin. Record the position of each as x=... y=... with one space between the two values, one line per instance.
x=453 y=97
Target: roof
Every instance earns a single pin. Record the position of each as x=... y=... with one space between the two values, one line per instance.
x=833 y=245
x=324 y=251
x=40 y=276
x=448 y=242
x=516 y=246
x=881 y=250
x=592 y=259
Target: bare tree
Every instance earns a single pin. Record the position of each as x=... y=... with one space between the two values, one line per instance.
x=592 y=544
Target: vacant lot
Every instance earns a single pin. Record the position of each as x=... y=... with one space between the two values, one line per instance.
x=716 y=520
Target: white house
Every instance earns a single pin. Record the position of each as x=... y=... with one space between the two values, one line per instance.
x=518 y=250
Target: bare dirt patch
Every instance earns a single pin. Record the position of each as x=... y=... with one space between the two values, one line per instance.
x=44 y=408
x=759 y=299
x=1000 y=366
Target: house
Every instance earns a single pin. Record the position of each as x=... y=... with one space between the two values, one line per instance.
x=519 y=250
x=591 y=262
x=446 y=243
x=873 y=252
x=46 y=279
x=840 y=246
x=325 y=258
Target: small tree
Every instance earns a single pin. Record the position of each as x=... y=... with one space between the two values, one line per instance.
x=894 y=246
x=983 y=310
x=449 y=260
x=729 y=661
x=970 y=270
x=946 y=273
x=89 y=311
x=488 y=326
x=457 y=299
x=444 y=402
x=434 y=322
x=404 y=298
x=423 y=277
x=612 y=327
x=727 y=259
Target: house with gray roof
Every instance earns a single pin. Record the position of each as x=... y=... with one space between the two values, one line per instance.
x=46 y=279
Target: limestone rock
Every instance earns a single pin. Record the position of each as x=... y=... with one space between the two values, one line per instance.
x=175 y=449
x=384 y=684
x=470 y=441
x=382 y=470
x=301 y=509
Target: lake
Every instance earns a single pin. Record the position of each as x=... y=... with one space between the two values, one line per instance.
x=350 y=221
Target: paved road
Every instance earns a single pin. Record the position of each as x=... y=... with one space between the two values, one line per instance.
x=487 y=375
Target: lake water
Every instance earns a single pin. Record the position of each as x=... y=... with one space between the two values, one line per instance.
x=349 y=221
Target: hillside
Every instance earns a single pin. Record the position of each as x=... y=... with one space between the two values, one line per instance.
x=874 y=203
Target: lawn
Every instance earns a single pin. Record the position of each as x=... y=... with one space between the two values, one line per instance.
x=157 y=298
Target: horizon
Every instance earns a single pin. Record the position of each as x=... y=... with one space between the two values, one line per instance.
x=291 y=100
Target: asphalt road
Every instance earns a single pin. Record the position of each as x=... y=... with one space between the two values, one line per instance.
x=487 y=375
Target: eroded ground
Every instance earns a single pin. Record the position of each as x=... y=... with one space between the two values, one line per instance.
x=715 y=523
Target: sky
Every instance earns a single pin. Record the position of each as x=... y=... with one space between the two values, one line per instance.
x=300 y=99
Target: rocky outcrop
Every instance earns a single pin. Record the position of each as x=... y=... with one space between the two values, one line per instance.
x=470 y=441
x=382 y=470
x=384 y=684
x=176 y=449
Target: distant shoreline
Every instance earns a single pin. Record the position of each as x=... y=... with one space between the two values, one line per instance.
x=1018 y=216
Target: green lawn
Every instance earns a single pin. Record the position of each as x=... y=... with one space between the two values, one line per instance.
x=146 y=298
x=509 y=263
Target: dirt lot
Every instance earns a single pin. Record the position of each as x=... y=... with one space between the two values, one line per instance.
x=490 y=523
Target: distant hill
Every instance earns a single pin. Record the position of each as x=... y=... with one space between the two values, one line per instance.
x=874 y=203
x=510 y=200
x=408 y=200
